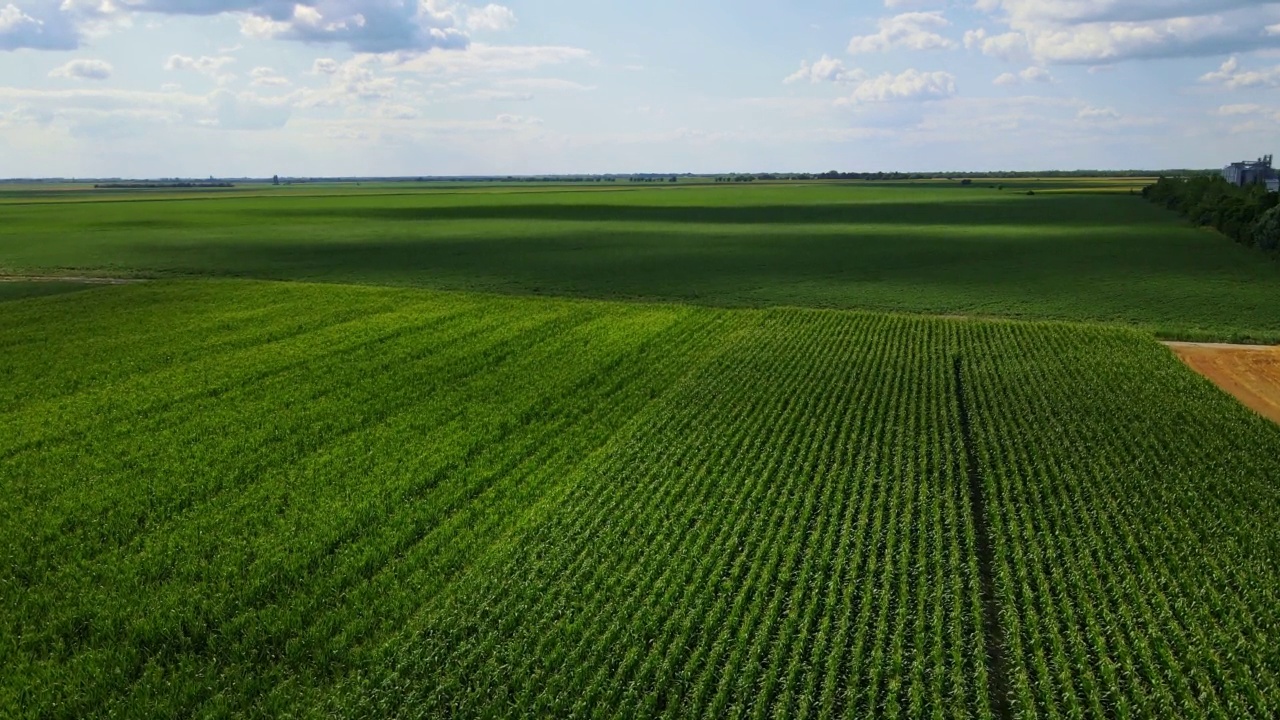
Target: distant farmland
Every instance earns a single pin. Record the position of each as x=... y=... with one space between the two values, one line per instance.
x=239 y=497
x=1076 y=250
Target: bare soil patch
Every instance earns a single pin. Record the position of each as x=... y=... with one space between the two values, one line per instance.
x=1249 y=372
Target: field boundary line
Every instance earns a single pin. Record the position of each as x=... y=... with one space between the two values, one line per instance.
x=80 y=279
x=993 y=633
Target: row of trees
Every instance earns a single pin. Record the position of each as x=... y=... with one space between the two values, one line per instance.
x=1249 y=215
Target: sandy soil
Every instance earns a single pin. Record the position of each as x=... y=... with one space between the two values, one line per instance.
x=1249 y=372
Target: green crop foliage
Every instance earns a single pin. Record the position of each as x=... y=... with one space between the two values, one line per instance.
x=237 y=498
x=18 y=290
x=1076 y=250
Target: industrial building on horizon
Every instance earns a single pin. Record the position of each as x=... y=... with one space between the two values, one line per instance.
x=1253 y=172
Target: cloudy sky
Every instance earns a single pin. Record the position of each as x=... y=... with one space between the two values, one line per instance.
x=148 y=88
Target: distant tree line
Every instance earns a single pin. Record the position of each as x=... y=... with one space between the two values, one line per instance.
x=1248 y=215
x=149 y=186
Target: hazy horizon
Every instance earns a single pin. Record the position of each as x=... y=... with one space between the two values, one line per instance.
x=403 y=88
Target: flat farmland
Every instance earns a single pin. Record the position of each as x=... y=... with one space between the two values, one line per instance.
x=264 y=499
x=1076 y=250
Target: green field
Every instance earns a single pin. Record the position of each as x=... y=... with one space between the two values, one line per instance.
x=1070 y=252
x=648 y=473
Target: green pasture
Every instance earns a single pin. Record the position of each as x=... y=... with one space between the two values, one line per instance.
x=1081 y=250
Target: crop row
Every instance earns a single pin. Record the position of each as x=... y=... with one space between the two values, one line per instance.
x=287 y=500
x=245 y=511
x=785 y=535
x=1137 y=512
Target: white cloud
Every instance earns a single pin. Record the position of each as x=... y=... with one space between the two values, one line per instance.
x=351 y=81
x=84 y=70
x=910 y=31
x=827 y=69
x=205 y=65
x=1030 y=75
x=1231 y=76
x=267 y=77
x=1011 y=46
x=480 y=59
x=491 y=18
x=362 y=25
x=1107 y=31
x=1092 y=11
x=1097 y=113
x=12 y=18
x=1241 y=109
x=40 y=27
x=911 y=85
x=324 y=66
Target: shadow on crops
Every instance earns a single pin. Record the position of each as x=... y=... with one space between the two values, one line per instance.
x=1055 y=210
x=817 y=268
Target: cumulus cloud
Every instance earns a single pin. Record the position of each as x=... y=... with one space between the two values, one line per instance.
x=1106 y=31
x=1230 y=75
x=267 y=77
x=910 y=31
x=38 y=26
x=1011 y=46
x=205 y=65
x=84 y=70
x=911 y=85
x=324 y=66
x=827 y=69
x=491 y=18
x=1092 y=11
x=362 y=25
x=355 y=80
x=1030 y=75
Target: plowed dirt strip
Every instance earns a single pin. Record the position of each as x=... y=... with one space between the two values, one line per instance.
x=1251 y=373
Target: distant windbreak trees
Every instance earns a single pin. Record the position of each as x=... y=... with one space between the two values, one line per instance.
x=1249 y=215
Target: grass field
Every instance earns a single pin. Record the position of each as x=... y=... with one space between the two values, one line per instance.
x=1073 y=251
x=677 y=461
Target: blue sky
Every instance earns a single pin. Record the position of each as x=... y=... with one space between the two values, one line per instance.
x=150 y=88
